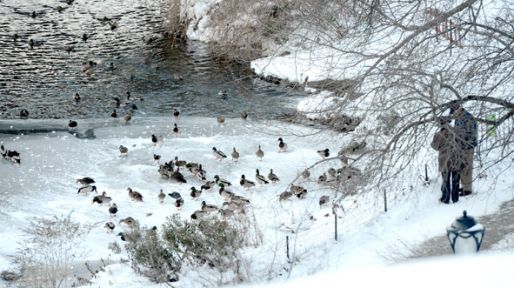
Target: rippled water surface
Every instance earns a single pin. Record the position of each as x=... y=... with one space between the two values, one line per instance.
x=126 y=41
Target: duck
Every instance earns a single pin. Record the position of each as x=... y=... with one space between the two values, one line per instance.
x=175 y=195
x=198 y=214
x=86 y=181
x=306 y=174
x=296 y=189
x=123 y=150
x=235 y=154
x=207 y=186
x=134 y=195
x=332 y=174
x=72 y=124
x=259 y=153
x=195 y=193
x=323 y=200
x=109 y=226
x=322 y=178
x=85 y=37
x=154 y=139
x=161 y=196
x=10 y=155
x=156 y=157
x=199 y=173
x=239 y=200
x=175 y=128
x=282 y=146
x=86 y=189
x=129 y=221
x=260 y=178
x=246 y=183
x=226 y=213
x=208 y=208
x=178 y=177
x=117 y=102
x=176 y=114
x=76 y=97
x=127 y=117
x=24 y=114
x=218 y=154
x=102 y=199
x=272 y=176
x=285 y=195
x=114 y=114
x=113 y=209
x=179 y=163
x=227 y=195
x=324 y=153
x=221 y=181
x=179 y=203
x=244 y=115
x=221 y=120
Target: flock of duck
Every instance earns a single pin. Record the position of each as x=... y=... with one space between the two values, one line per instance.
x=233 y=204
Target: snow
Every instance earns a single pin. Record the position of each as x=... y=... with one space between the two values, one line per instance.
x=367 y=237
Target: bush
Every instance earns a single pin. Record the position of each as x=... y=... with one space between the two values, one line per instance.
x=52 y=247
x=209 y=241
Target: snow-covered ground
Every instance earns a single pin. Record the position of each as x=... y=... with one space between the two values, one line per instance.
x=45 y=184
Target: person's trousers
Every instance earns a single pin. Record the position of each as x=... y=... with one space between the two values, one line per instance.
x=450 y=186
x=467 y=172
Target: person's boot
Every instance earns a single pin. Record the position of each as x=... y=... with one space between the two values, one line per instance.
x=465 y=193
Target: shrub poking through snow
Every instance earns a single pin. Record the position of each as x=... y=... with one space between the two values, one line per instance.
x=208 y=242
x=47 y=256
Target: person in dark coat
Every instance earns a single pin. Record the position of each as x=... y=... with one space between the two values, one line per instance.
x=451 y=161
x=466 y=133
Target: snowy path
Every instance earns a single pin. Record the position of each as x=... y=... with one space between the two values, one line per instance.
x=499 y=227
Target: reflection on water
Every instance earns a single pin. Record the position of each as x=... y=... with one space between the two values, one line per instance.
x=101 y=49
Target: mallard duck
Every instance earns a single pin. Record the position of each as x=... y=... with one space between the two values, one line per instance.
x=176 y=114
x=116 y=103
x=109 y=226
x=156 y=157
x=24 y=114
x=72 y=124
x=306 y=174
x=296 y=189
x=282 y=146
x=195 y=193
x=244 y=115
x=114 y=114
x=102 y=199
x=123 y=150
x=272 y=176
x=134 y=195
x=76 y=97
x=221 y=181
x=199 y=173
x=179 y=163
x=198 y=214
x=246 y=183
x=178 y=177
x=235 y=155
x=218 y=154
x=10 y=155
x=226 y=213
x=285 y=195
x=113 y=209
x=161 y=196
x=323 y=200
x=175 y=128
x=86 y=181
x=239 y=200
x=221 y=120
x=131 y=222
x=86 y=189
x=227 y=195
x=207 y=186
x=260 y=178
x=127 y=117
x=154 y=139
x=259 y=153
x=175 y=195
x=322 y=178
x=324 y=153
x=179 y=203
x=208 y=208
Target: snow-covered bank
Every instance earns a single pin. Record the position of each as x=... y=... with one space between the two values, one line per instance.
x=45 y=185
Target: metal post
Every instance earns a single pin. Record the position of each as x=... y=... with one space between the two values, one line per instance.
x=335 y=224
x=287 y=248
x=426 y=173
x=385 y=200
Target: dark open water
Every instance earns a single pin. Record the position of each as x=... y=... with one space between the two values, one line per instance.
x=43 y=79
